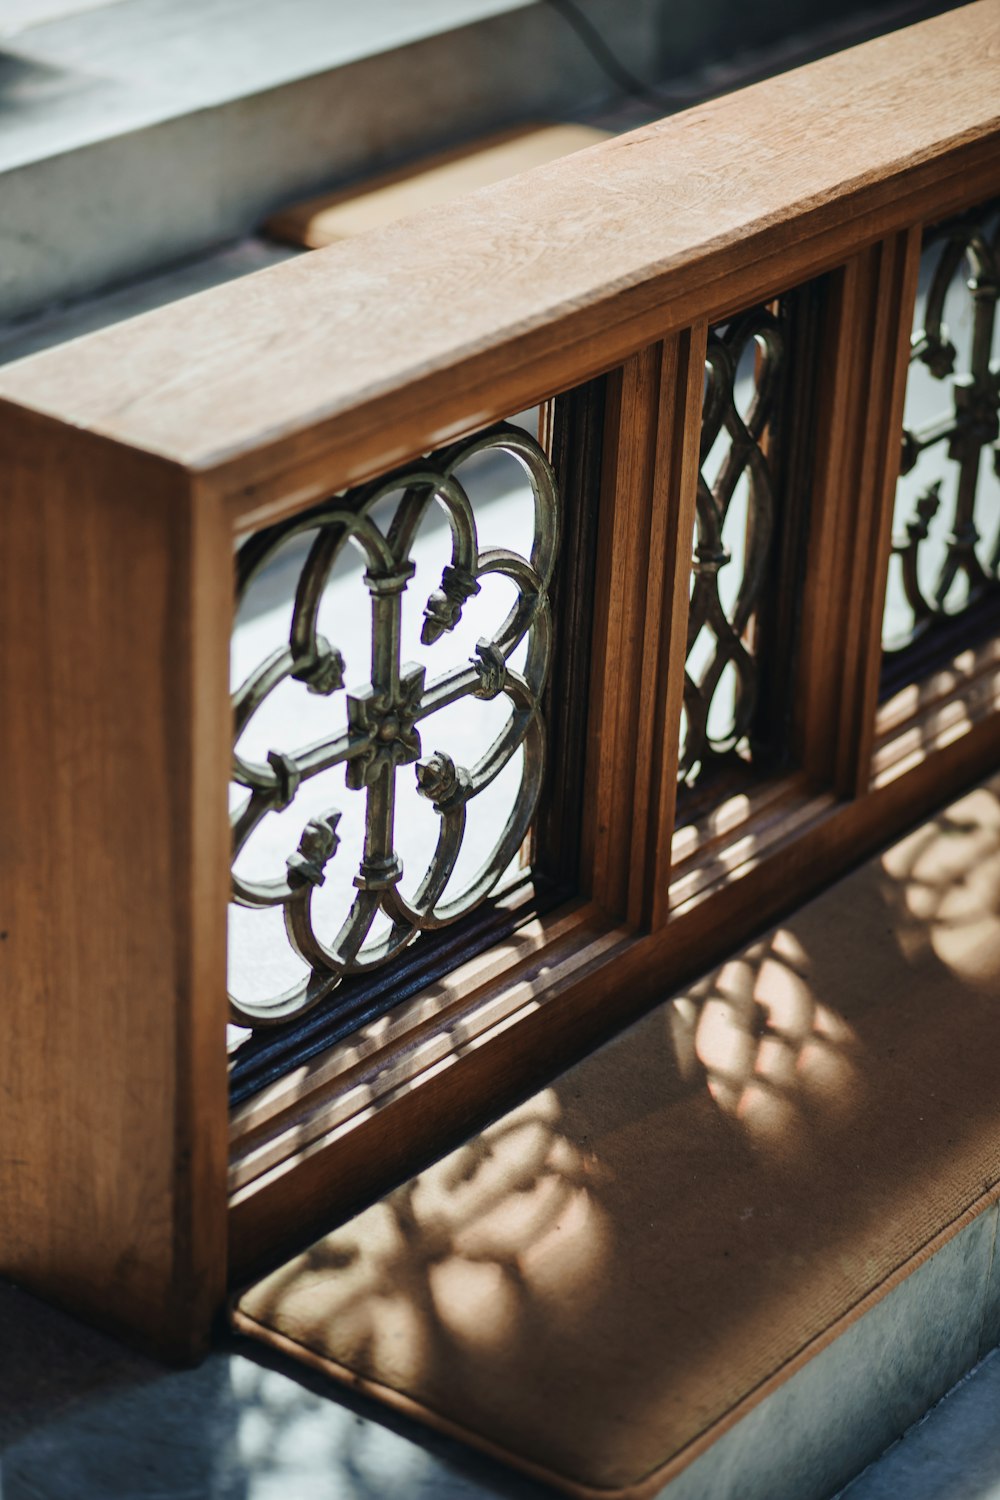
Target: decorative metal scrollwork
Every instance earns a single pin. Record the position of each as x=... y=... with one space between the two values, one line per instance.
x=719 y=627
x=929 y=567
x=385 y=717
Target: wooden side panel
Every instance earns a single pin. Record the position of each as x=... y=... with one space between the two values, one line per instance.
x=115 y=598
x=865 y=346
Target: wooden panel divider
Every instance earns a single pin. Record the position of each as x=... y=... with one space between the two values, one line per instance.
x=865 y=354
x=617 y=686
x=892 y=268
x=651 y=471
x=665 y=637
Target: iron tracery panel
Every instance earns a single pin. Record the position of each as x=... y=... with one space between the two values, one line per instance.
x=945 y=558
x=383 y=727
x=734 y=542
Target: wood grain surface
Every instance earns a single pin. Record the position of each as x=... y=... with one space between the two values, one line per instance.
x=369 y=350
x=427 y=183
x=114 y=610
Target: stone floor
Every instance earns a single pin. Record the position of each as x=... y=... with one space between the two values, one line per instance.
x=83 y=1419
x=952 y=1454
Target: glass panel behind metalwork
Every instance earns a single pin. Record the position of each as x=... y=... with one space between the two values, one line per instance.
x=389 y=658
x=946 y=542
x=734 y=543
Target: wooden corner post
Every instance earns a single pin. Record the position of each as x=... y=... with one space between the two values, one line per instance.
x=115 y=600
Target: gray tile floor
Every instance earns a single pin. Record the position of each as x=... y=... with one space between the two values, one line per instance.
x=83 y=1419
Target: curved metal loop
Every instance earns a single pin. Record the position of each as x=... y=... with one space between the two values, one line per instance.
x=927 y=569
x=388 y=717
x=744 y=457
x=514 y=441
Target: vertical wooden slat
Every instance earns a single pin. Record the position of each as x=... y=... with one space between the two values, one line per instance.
x=644 y=556
x=115 y=597
x=668 y=597
x=865 y=348
x=788 y=444
x=619 y=607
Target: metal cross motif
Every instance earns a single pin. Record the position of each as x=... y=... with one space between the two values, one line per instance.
x=745 y=455
x=383 y=737
x=969 y=428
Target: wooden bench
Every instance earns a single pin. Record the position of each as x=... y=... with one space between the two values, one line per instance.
x=134 y=460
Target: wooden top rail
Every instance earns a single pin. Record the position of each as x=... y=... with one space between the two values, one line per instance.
x=369 y=351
